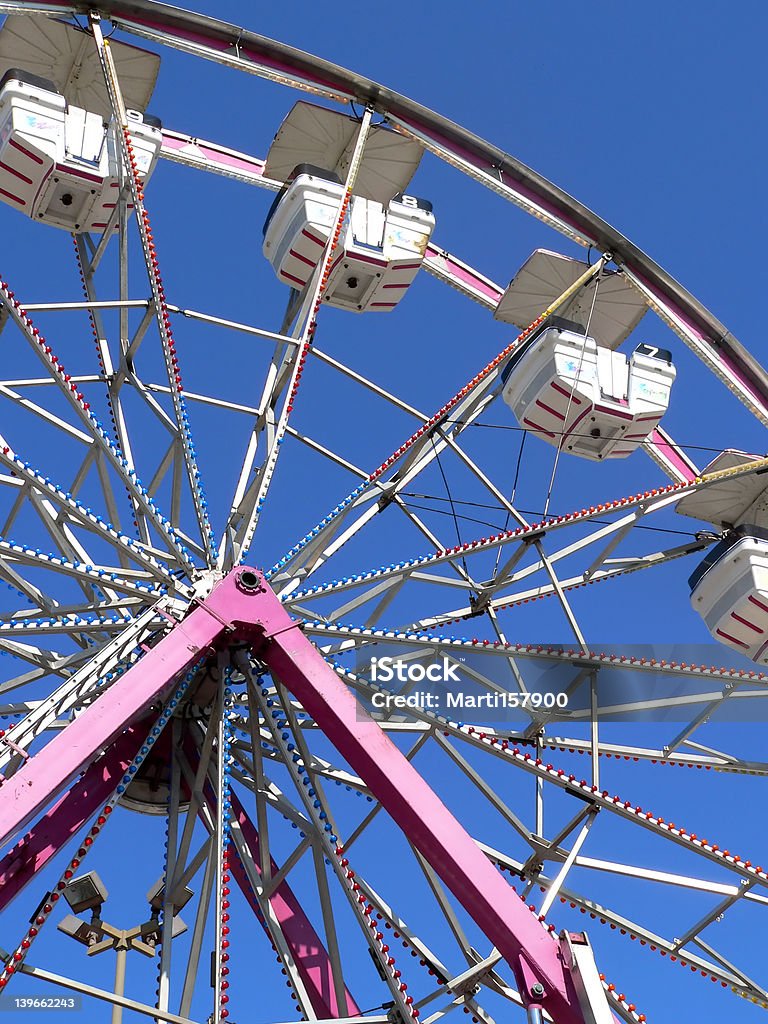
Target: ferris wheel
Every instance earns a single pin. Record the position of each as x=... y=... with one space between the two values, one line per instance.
x=278 y=565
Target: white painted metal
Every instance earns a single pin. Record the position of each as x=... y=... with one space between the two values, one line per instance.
x=299 y=228
x=326 y=138
x=57 y=161
x=578 y=955
x=63 y=53
x=731 y=502
x=618 y=308
x=382 y=253
x=584 y=399
x=380 y=248
x=732 y=596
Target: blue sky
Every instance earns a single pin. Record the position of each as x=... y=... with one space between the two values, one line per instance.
x=648 y=114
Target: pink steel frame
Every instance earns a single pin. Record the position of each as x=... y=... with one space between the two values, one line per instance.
x=78 y=804
x=242 y=608
x=67 y=816
x=310 y=955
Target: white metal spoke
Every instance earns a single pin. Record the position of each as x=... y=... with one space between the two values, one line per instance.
x=163 y=325
x=287 y=379
x=108 y=546
x=99 y=436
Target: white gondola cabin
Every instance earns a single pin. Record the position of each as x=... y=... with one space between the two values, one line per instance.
x=729 y=590
x=562 y=385
x=385 y=233
x=58 y=162
x=380 y=248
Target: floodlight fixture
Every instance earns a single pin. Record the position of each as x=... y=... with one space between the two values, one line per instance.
x=78 y=929
x=87 y=892
x=156 y=896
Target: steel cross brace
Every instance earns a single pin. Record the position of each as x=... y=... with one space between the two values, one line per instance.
x=72 y=810
x=311 y=957
x=241 y=608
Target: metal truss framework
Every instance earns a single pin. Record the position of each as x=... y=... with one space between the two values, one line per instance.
x=132 y=601
x=243 y=609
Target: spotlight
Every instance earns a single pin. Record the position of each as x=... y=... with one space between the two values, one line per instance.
x=87 y=892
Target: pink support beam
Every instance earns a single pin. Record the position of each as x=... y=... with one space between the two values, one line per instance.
x=226 y=611
x=212 y=156
x=530 y=951
x=67 y=816
x=242 y=608
x=680 y=466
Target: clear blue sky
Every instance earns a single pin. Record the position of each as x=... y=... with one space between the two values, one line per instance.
x=651 y=115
